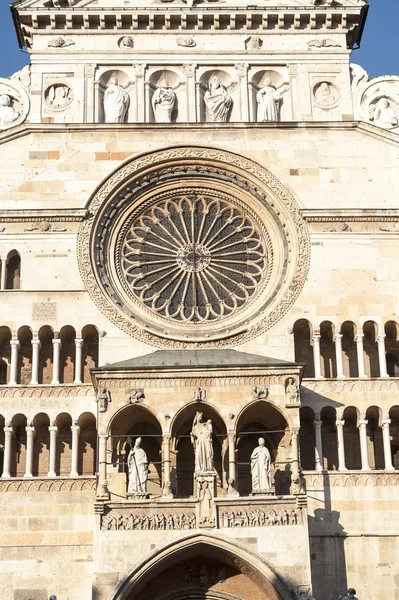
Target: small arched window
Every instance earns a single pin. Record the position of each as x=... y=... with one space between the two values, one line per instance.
x=13 y=271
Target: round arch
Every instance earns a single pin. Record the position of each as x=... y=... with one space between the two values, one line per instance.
x=197 y=546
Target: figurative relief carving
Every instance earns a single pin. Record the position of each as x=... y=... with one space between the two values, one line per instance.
x=383 y=114
x=8 y=113
x=163 y=102
x=152 y=522
x=254 y=43
x=116 y=102
x=58 y=96
x=217 y=100
x=136 y=397
x=325 y=93
x=126 y=42
x=291 y=392
x=60 y=42
x=323 y=43
x=186 y=42
x=103 y=398
x=268 y=100
x=205 y=497
x=259 y=518
x=260 y=393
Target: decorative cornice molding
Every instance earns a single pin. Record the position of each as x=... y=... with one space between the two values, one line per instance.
x=48 y=484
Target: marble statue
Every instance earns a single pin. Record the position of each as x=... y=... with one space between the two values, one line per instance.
x=206 y=504
x=351 y=595
x=116 y=102
x=8 y=114
x=291 y=392
x=260 y=468
x=218 y=102
x=163 y=102
x=324 y=93
x=384 y=115
x=102 y=399
x=268 y=100
x=137 y=463
x=201 y=438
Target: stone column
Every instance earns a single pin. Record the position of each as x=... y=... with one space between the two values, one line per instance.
x=386 y=438
x=340 y=441
x=35 y=362
x=317 y=356
x=53 y=429
x=78 y=360
x=295 y=102
x=360 y=355
x=56 y=361
x=30 y=432
x=381 y=355
x=363 y=443
x=242 y=72
x=338 y=355
x=7 y=451
x=14 y=362
x=191 y=108
x=102 y=492
x=141 y=109
x=232 y=459
x=295 y=453
x=89 y=71
x=3 y=274
x=319 y=443
x=75 y=449
x=167 y=487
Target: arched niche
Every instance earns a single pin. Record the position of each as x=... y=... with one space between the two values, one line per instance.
x=87 y=444
x=202 y=566
x=392 y=348
x=64 y=444
x=258 y=80
x=67 y=354
x=130 y=423
x=374 y=438
x=13 y=271
x=183 y=460
x=227 y=80
x=394 y=434
x=5 y=355
x=262 y=420
x=24 y=371
x=41 y=445
x=307 y=439
x=328 y=416
x=174 y=79
x=46 y=336
x=349 y=353
x=327 y=350
x=371 y=362
x=303 y=333
x=351 y=438
x=101 y=85
x=18 y=445
x=90 y=350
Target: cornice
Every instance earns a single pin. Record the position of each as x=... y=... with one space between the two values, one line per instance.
x=56 y=215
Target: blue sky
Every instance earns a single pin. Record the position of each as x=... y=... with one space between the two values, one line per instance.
x=379 y=52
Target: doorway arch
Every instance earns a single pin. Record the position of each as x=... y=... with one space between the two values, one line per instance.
x=230 y=560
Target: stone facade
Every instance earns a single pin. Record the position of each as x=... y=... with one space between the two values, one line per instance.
x=188 y=189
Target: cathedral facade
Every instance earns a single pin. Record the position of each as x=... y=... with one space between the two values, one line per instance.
x=199 y=340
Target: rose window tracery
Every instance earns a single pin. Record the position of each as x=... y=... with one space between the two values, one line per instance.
x=193 y=257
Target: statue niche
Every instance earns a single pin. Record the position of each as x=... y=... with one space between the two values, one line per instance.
x=114 y=97
x=268 y=90
x=164 y=91
x=217 y=101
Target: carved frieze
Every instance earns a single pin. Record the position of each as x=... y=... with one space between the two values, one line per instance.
x=49 y=485
x=153 y=521
x=317 y=481
x=259 y=517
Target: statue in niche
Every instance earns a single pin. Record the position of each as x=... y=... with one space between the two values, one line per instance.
x=324 y=93
x=201 y=438
x=163 y=102
x=137 y=463
x=260 y=468
x=58 y=95
x=384 y=116
x=116 y=102
x=8 y=114
x=291 y=392
x=268 y=100
x=217 y=101
x=102 y=400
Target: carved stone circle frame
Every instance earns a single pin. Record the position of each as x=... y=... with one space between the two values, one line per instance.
x=256 y=198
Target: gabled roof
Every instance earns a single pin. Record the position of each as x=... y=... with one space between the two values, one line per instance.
x=188 y=359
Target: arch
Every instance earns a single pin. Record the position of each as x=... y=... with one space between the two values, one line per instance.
x=64 y=444
x=303 y=334
x=46 y=336
x=13 y=271
x=198 y=546
x=394 y=434
x=5 y=354
x=18 y=445
x=349 y=354
x=41 y=445
x=87 y=444
x=24 y=369
x=307 y=438
x=392 y=348
x=90 y=351
x=351 y=438
x=327 y=350
x=183 y=452
x=67 y=354
x=262 y=419
x=129 y=423
x=375 y=445
x=328 y=416
x=370 y=349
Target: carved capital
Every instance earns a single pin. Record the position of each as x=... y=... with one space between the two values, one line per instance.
x=241 y=68
x=189 y=69
x=139 y=69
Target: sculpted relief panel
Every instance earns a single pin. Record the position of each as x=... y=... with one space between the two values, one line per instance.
x=376 y=100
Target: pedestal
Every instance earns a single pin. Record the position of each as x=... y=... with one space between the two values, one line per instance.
x=205 y=491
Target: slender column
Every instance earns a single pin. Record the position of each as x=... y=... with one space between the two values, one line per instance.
x=242 y=72
x=75 y=449
x=360 y=355
x=7 y=451
x=56 y=361
x=78 y=360
x=3 y=273
x=386 y=438
x=30 y=432
x=338 y=356
x=191 y=108
x=53 y=429
x=316 y=356
x=167 y=488
x=340 y=441
x=295 y=453
x=319 y=443
x=363 y=443
x=102 y=487
x=381 y=355
x=141 y=109
x=232 y=459
x=14 y=362
x=35 y=362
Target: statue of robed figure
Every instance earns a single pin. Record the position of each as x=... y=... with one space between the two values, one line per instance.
x=201 y=438
x=260 y=468
x=137 y=463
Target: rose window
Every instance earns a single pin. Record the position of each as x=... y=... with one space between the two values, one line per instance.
x=193 y=257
